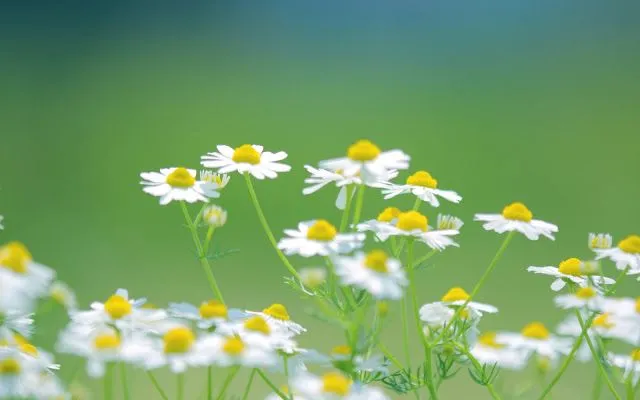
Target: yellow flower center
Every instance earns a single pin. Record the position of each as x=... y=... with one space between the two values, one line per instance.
x=335 y=383
x=455 y=294
x=383 y=308
x=233 y=346
x=178 y=340
x=9 y=366
x=246 y=154
x=363 y=150
x=377 y=261
x=107 y=341
x=212 y=309
x=28 y=348
x=638 y=305
x=600 y=241
x=535 y=330
x=635 y=355
x=257 y=324
x=517 y=212
x=586 y=292
x=631 y=244
x=117 y=307
x=412 y=220
x=322 y=230
x=15 y=257
x=602 y=321
x=570 y=266
x=388 y=214
x=489 y=339
x=342 y=350
x=422 y=178
x=181 y=178
x=277 y=311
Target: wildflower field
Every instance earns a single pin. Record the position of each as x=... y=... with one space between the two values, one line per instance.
x=213 y=228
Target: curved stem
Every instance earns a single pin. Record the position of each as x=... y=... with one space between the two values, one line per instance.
x=125 y=382
x=202 y=255
x=347 y=209
x=424 y=258
x=267 y=229
x=155 y=383
x=180 y=386
x=227 y=382
x=271 y=385
x=359 y=202
x=245 y=395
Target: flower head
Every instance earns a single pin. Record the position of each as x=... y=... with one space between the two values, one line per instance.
x=319 y=237
x=422 y=185
x=178 y=184
x=247 y=158
x=517 y=217
x=278 y=315
x=415 y=225
x=375 y=272
x=573 y=270
x=625 y=255
x=535 y=338
x=215 y=216
x=488 y=351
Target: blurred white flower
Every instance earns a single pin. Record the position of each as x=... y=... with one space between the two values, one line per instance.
x=63 y=295
x=573 y=270
x=319 y=237
x=209 y=314
x=22 y=277
x=99 y=346
x=278 y=315
x=375 y=272
x=536 y=339
x=489 y=352
x=214 y=216
x=625 y=255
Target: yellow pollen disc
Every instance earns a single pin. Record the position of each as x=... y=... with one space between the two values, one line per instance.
x=535 y=330
x=117 y=307
x=322 y=230
x=181 y=178
x=412 y=220
x=15 y=257
x=631 y=244
x=638 y=305
x=464 y=313
x=422 y=178
x=518 y=212
x=377 y=261
x=363 y=150
x=284 y=389
x=455 y=294
x=277 y=311
x=489 y=339
x=9 y=366
x=178 y=340
x=106 y=341
x=602 y=321
x=570 y=266
x=212 y=309
x=29 y=349
x=335 y=383
x=342 y=350
x=635 y=355
x=388 y=214
x=233 y=346
x=586 y=292
x=257 y=324
x=246 y=154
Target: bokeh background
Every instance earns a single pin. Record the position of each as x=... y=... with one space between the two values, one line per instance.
x=504 y=100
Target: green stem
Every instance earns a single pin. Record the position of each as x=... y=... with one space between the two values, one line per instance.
x=630 y=390
x=180 y=386
x=209 y=382
x=202 y=255
x=347 y=209
x=405 y=330
x=390 y=356
x=359 y=201
x=155 y=384
x=478 y=366
x=286 y=370
x=227 y=382
x=245 y=395
x=597 y=386
x=346 y=291
x=125 y=382
x=108 y=382
x=207 y=241
x=267 y=229
x=424 y=258
x=271 y=385
x=416 y=204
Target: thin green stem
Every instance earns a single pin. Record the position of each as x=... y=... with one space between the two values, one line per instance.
x=347 y=209
x=405 y=331
x=207 y=240
x=271 y=385
x=346 y=291
x=245 y=395
x=227 y=382
x=359 y=202
x=180 y=386
x=597 y=386
x=156 y=385
x=416 y=204
x=209 y=382
x=424 y=258
x=125 y=382
x=267 y=229
x=108 y=382
x=630 y=390
x=286 y=370
x=478 y=366
x=390 y=356
x=202 y=255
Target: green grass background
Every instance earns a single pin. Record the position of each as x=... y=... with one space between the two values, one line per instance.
x=536 y=102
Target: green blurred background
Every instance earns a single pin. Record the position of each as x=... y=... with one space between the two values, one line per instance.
x=534 y=101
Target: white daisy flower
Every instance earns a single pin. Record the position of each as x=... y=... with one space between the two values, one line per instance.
x=375 y=272
x=332 y=386
x=178 y=184
x=489 y=352
x=629 y=364
x=436 y=315
x=220 y=180
x=319 y=238
x=581 y=273
x=599 y=241
x=584 y=298
x=16 y=374
x=98 y=346
x=214 y=216
x=41 y=360
x=448 y=222
x=457 y=296
x=246 y=159
x=46 y=386
x=625 y=307
x=277 y=315
x=535 y=338
x=63 y=295
x=415 y=225
x=517 y=217
x=383 y=226
x=423 y=186
x=365 y=159
x=226 y=351
x=209 y=314
x=626 y=254
x=15 y=322
x=257 y=331
x=24 y=277
x=313 y=277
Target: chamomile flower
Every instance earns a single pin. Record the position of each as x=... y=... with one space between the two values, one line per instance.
x=366 y=160
x=422 y=185
x=46 y=386
x=489 y=352
x=319 y=238
x=375 y=272
x=178 y=184
x=630 y=364
x=313 y=277
x=277 y=315
x=448 y=222
x=536 y=339
x=24 y=277
x=586 y=297
x=332 y=386
x=257 y=331
x=98 y=346
x=226 y=351
x=517 y=217
x=209 y=314
x=15 y=375
x=625 y=255
x=246 y=159
x=600 y=241
x=415 y=225
x=15 y=322
x=383 y=226
x=61 y=293
x=220 y=180
x=581 y=273
x=625 y=307
x=457 y=297
x=436 y=315
x=214 y=216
